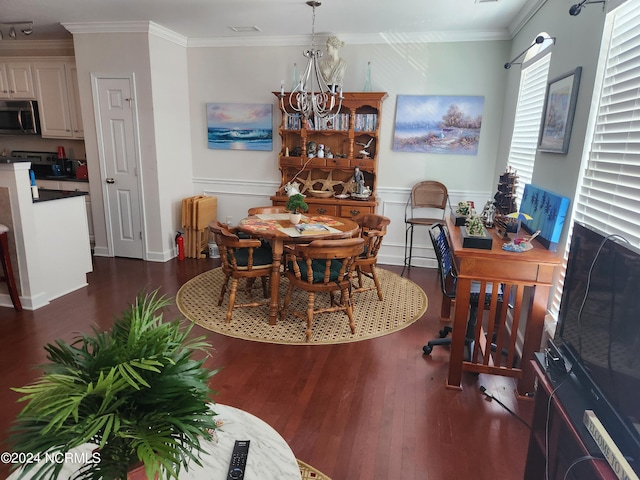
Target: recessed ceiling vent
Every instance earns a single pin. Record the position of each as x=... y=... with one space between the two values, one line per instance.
x=253 y=28
x=487 y=1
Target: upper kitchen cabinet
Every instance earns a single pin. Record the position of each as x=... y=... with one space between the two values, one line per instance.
x=16 y=81
x=56 y=88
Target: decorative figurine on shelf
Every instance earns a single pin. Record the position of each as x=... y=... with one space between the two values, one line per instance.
x=332 y=67
x=488 y=214
x=311 y=149
x=292 y=188
x=358 y=180
x=320 y=152
x=364 y=152
x=328 y=152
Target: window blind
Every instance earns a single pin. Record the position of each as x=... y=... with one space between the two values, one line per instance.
x=526 y=128
x=609 y=196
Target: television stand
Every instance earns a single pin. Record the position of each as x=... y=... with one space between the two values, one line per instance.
x=568 y=438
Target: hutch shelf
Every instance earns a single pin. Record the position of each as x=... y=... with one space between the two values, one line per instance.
x=350 y=140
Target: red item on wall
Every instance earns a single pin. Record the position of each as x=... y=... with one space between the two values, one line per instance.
x=61 y=153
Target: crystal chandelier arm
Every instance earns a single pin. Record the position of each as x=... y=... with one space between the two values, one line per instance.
x=312 y=96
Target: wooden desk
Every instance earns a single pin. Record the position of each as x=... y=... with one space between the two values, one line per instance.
x=266 y=227
x=516 y=271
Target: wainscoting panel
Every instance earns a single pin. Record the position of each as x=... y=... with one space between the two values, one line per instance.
x=235 y=197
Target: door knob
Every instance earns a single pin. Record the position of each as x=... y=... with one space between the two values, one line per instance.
x=110 y=181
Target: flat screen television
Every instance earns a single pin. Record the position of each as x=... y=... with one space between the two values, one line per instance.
x=599 y=331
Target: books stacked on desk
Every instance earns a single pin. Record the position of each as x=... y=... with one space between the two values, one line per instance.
x=312 y=228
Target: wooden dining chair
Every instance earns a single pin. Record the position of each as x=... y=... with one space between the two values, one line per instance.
x=267 y=209
x=241 y=258
x=372 y=229
x=322 y=266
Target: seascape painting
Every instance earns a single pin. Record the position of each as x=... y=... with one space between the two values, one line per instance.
x=240 y=126
x=438 y=124
x=548 y=211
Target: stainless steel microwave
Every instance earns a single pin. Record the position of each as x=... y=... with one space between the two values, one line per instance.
x=19 y=117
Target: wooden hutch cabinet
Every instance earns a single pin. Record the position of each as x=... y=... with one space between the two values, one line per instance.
x=354 y=130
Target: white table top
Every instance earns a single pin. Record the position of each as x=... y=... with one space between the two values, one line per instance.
x=270 y=457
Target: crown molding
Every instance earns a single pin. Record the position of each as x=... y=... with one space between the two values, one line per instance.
x=523 y=17
x=22 y=45
x=126 y=27
x=353 y=39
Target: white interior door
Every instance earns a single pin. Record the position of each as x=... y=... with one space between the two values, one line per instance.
x=117 y=145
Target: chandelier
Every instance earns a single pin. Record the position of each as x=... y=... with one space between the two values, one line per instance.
x=312 y=96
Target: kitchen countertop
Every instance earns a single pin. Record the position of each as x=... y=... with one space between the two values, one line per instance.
x=63 y=178
x=13 y=160
x=47 y=195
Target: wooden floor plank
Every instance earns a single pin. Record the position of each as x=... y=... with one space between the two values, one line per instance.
x=376 y=409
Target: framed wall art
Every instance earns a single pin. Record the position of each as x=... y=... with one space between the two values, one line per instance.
x=240 y=126
x=438 y=124
x=559 y=109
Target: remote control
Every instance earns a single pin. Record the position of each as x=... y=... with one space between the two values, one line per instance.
x=238 y=459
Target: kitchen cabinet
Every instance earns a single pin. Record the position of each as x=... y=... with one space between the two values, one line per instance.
x=16 y=81
x=352 y=138
x=56 y=90
x=74 y=100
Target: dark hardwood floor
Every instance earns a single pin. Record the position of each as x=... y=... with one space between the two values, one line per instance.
x=376 y=409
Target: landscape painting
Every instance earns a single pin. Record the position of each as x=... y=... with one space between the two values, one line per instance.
x=240 y=126
x=438 y=124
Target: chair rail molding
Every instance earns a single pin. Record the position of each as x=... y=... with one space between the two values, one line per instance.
x=235 y=197
x=392 y=204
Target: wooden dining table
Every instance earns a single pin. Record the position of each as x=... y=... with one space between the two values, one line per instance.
x=278 y=230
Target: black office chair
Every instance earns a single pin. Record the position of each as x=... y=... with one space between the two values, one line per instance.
x=448 y=280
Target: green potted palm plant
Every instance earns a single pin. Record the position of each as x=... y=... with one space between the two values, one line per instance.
x=296 y=205
x=134 y=392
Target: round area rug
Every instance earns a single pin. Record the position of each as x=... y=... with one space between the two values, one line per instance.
x=404 y=302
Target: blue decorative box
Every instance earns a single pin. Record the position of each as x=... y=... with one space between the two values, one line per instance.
x=548 y=211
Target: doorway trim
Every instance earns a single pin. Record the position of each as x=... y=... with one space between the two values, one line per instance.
x=95 y=78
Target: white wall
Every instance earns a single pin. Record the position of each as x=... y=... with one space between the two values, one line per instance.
x=169 y=85
x=161 y=96
x=242 y=179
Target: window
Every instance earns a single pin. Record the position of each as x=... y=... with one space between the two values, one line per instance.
x=608 y=194
x=526 y=127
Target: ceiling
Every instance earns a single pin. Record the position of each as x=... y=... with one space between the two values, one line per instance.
x=210 y=19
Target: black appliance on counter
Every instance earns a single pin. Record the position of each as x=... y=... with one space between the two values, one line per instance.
x=47 y=165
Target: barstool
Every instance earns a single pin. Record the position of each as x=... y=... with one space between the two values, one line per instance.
x=6 y=267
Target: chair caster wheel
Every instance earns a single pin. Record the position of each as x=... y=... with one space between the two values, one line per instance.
x=445 y=331
x=427 y=349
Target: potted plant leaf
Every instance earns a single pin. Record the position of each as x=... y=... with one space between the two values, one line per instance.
x=296 y=205
x=134 y=392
